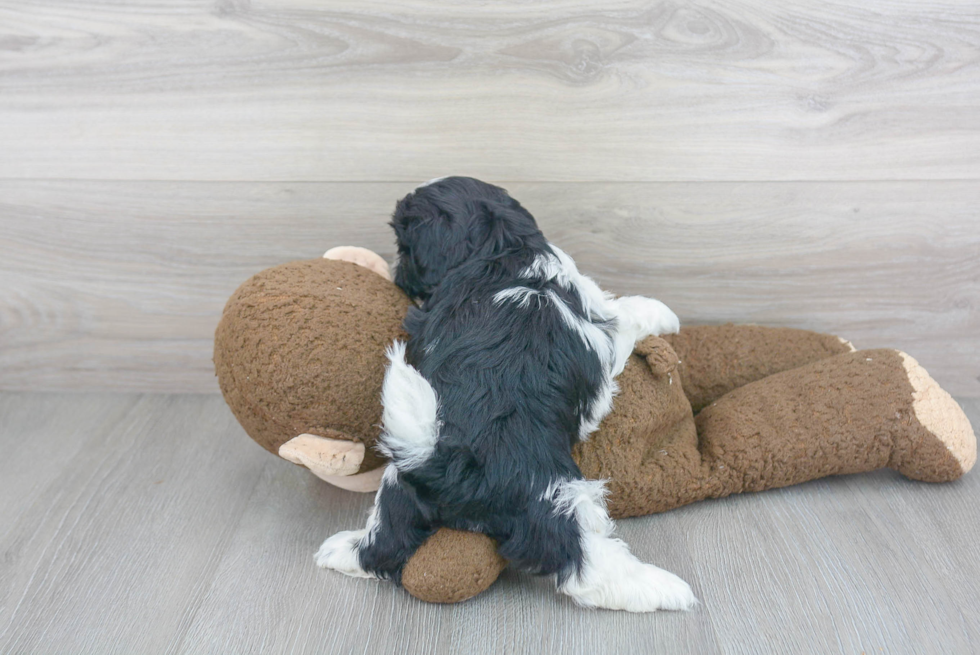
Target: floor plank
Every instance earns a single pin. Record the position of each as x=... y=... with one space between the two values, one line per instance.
x=132 y=503
x=290 y=602
x=119 y=285
x=152 y=524
x=565 y=90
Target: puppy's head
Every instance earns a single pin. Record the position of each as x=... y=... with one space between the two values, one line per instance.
x=447 y=221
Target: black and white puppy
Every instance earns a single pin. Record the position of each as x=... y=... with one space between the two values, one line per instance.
x=512 y=358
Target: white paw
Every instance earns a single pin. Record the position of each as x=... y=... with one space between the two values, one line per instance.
x=675 y=594
x=668 y=323
x=645 y=589
x=339 y=553
x=647 y=316
x=612 y=578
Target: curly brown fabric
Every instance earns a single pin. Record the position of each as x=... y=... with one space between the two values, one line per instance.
x=300 y=348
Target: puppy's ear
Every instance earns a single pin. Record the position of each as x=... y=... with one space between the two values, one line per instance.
x=438 y=230
x=499 y=228
x=429 y=244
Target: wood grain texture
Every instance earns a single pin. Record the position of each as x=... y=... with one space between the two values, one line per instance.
x=119 y=285
x=565 y=90
x=153 y=524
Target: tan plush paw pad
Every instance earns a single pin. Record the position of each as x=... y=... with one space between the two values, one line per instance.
x=362 y=257
x=936 y=410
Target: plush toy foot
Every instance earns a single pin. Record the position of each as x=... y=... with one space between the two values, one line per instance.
x=339 y=553
x=943 y=419
x=362 y=257
x=851 y=413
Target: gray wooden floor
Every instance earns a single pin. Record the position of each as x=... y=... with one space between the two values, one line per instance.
x=152 y=524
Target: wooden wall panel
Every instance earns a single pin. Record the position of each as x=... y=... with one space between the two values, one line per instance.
x=119 y=285
x=554 y=91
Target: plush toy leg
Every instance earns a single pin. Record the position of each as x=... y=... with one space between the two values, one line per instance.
x=714 y=359
x=844 y=414
x=850 y=413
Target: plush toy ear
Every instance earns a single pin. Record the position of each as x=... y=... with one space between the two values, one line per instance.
x=333 y=460
x=322 y=455
x=362 y=257
x=660 y=357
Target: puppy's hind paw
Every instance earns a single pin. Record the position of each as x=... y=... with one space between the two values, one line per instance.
x=612 y=578
x=675 y=594
x=645 y=589
x=339 y=553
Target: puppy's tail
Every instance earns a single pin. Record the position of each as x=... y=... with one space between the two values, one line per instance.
x=410 y=420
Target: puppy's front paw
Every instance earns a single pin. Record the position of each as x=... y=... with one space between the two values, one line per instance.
x=648 y=316
x=339 y=553
x=668 y=322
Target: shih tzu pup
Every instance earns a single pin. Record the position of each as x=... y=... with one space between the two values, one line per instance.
x=512 y=358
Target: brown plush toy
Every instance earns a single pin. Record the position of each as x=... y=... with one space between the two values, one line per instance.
x=299 y=355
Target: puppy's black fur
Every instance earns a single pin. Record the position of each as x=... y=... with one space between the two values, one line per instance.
x=513 y=383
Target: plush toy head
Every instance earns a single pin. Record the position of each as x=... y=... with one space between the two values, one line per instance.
x=299 y=355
